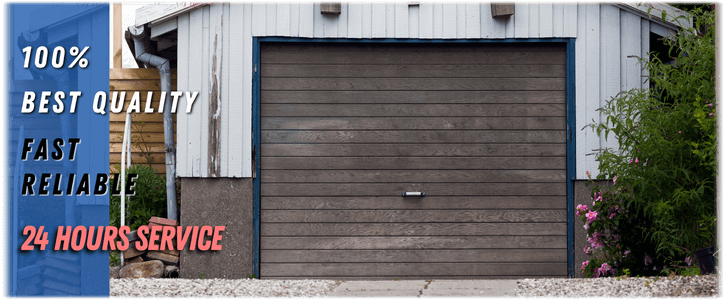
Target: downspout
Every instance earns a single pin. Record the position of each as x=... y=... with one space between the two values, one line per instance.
x=142 y=47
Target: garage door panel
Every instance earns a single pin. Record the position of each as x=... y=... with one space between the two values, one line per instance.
x=394 y=123
x=410 y=136
x=412 y=229
x=408 y=84
x=403 y=150
x=412 y=71
x=412 y=269
x=414 y=97
x=413 y=216
x=391 y=56
x=397 y=48
x=428 y=202
x=409 y=243
x=412 y=163
x=414 y=256
x=431 y=189
x=406 y=110
x=374 y=176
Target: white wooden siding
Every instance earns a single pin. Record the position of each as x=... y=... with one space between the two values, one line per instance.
x=606 y=36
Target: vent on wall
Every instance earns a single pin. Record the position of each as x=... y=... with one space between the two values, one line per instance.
x=330 y=8
x=502 y=10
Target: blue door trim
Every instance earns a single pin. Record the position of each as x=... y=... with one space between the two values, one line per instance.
x=570 y=96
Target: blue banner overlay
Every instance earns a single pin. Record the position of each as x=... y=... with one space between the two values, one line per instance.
x=61 y=139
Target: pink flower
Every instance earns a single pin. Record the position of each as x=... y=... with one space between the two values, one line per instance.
x=709 y=105
x=591 y=215
x=615 y=178
x=587 y=226
x=679 y=131
x=587 y=173
x=584 y=264
x=612 y=215
x=626 y=253
x=688 y=260
x=636 y=160
x=710 y=115
x=580 y=208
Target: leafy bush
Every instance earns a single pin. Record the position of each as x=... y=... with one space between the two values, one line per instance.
x=149 y=199
x=659 y=207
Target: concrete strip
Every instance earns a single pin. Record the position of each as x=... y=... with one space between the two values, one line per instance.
x=479 y=288
x=423 y=288
x=379 y=288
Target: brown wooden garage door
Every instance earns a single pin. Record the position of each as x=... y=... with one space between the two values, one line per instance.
x=346 y=128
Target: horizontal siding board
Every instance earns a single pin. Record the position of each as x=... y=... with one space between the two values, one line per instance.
x=412 y=137
x=399 y=57
x=433 y=189
x=441 y=269
x=413 y=216
x=464 y=242
x=395 y=150
x=395 y=123
x=412 y=163
x=397 y=110
x=358 y=176
x=412 y=229
x=406 y=84
x=415 y=256
x=428 y=202
x=414 y=97
x=415 y=71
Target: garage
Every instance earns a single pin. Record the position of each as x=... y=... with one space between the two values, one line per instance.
x=347 y=128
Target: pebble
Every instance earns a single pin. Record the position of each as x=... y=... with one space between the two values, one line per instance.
x=672 y=286
x=163 y=287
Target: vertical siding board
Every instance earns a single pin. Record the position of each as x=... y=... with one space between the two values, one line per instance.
x=426 y=21
x=366 y=20
x=498 y=26
x=449 y=21
x=318 y=22
x=258 y=23
x=583 y=136
x=644 y=49
x=306 y=19
x=545 y=20
x=609 y=58
x=558 y=20
x=224 y=96
x=629 y=51
x=204 y=93
x=195 y=84
x=182 y=83
x=438 y=18
x=473 y=24
x=378 y=17
x=486 y=22
x=295 y=19
x=509 y=26
x=343 y=21
x=355 y=22
x=390 y=20
x=283 y=19
x=413 y=21
x=533 y=20
x=521 y=21
x=401 y=20
x=591 y=19
x=461 y=20
x=271 y=19
x=571 y=17
x=246 y=95
x=235 y=57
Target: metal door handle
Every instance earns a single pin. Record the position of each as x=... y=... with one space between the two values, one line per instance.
x=414 y=194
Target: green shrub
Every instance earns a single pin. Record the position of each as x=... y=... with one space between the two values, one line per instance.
x=149 y=199
x=659 y=207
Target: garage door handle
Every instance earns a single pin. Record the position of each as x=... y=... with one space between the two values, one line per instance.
x=414 y=194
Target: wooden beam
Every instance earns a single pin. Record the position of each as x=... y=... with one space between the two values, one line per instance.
x=157 y=13
x=118 y=32
x=163 y=28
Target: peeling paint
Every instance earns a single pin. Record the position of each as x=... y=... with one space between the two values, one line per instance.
x=214 y=119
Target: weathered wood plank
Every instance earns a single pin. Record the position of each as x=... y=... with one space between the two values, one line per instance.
x=136 y=74
x=415 y=71
x=282 y=176
x=413 y=216
x=464 y=242
x=414 y=97
x=412 y=163
x=412 y=229
x=412 y=137
x=393 y=123
x=342 y=56
x=428 y=202
x=424 y=110
x=407 y=84
x=411 y=269
x=421 y=256
x=431 y=189
x=138 y=85
x=398 y=150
